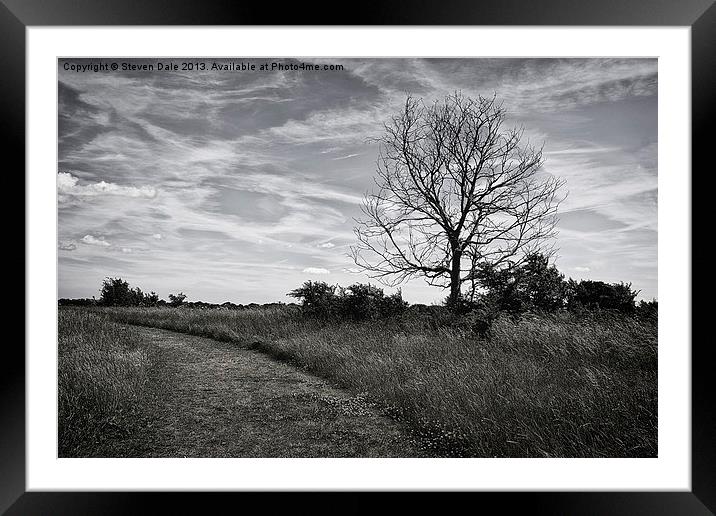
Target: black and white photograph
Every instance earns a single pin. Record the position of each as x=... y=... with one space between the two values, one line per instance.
x=357 y=257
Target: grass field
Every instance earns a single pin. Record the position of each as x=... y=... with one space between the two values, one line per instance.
x=543 y=386
x=102 y=369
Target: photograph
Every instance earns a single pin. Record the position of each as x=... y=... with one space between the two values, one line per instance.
x=399 y=257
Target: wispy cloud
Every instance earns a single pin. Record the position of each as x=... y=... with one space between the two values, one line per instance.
x=68 y=185
x=92 y=240
x=316 y=270
x=67 y=246
x=213 y=179
x=582 y=150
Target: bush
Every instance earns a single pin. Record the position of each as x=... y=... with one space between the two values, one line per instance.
x=597 y=295
x=151 y=299
x=533 y=285
x=502 y=290
x=317 y=298
x=117 y=292
x=462 y=305
x=648 y=309
x=543 y=285
x=361 y=301
x=357 y=302
x=393 y=304
x=176 y=300
x=536 y=286
x=364 y=301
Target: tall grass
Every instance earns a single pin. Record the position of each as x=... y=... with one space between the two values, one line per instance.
x=102 y=369
x=541 y=386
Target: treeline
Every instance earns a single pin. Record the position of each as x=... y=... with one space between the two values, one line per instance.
x=533 y=286
x=118 y=292
x=187 y=304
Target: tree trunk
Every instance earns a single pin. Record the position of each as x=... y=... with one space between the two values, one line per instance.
x=455 y=279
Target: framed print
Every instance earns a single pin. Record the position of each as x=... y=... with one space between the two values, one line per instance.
x=426 y=251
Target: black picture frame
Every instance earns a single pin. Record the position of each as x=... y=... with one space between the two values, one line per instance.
x=700 y=15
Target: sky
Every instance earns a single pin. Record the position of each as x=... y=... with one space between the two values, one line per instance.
x=241 y=185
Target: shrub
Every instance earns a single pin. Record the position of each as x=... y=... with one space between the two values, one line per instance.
x=176 y=300
x=542 y=284
x=151 y=299
x=364 y=301
x=317 y=298
x=591 y=295
x=533 y=285
x=536 y=286
x=648 y=309
x=357 y=302
x=116 y=292
x=462 y=305
x=393 y=304
x=361 y=301
x=502 y=290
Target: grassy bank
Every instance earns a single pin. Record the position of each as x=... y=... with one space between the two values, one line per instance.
x=102 y=369
x=543 y=386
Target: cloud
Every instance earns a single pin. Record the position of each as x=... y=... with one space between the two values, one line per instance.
x=293 y=187
x=92 y=240
x=127 y=250
x=330 y=149
x=284 y=160
x=316 y=270
x=583 y=150
x=582 y=269
x=346 y=125
x=68 y=185
x=67 y=246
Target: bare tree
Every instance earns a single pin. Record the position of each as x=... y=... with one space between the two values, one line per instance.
x=455 y=191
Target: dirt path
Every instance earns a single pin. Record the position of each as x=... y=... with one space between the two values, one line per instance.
x=216 y=399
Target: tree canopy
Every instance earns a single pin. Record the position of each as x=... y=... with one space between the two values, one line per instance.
x=455 y=191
